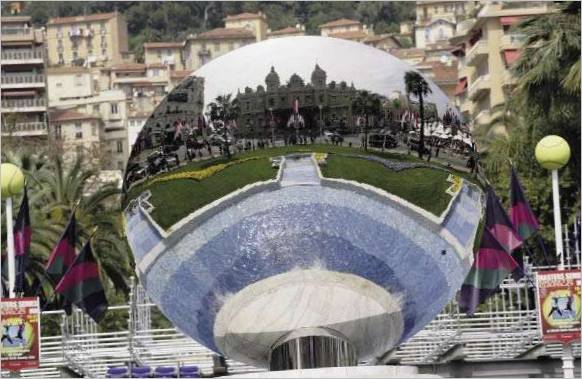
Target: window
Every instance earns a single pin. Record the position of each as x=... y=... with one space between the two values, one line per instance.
x=102 y=28
x=104 y=53
x=61 y=58
x=114 y=108
x=78 y=80
x=168 y=52
x=75 y=55
x=159 y=53
x=78 y=131
x=79 y=149
x=156 y=72
x=60 y=31
x=58 y=132
x=120 y=165
x=120 y=146
x=93 y=129
x=96 y=108
x=59 y=85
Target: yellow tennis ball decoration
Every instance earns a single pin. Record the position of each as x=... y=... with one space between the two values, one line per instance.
x=552 y=152
x=11 y=180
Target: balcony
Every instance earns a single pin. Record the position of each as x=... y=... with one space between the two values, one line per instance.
x=479 y=87
x=169 y=60
x=483 y=117
x=466 y=106
x=477 y=52
x=24 y=80
x=24 y=56
x=25 y=129
x=512 y=41
x=17 y=34
x=24 y=105
x=508 y=79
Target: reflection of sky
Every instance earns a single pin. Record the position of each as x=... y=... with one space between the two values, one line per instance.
x=366 y=67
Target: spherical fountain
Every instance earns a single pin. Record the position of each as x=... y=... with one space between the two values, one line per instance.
x=295 y=254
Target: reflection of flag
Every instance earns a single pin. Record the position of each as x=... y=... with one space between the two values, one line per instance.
x=201 y=122
x=63 y=254
x=520 y=212
x=499 y=224
x=491 y=266
x=22 y=238
x=82 y=286
x=296 y=105
x=178 y=128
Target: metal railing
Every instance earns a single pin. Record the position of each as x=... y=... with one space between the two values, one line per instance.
x=24 y=103
x=21 y=78
x=505 y=327
x=23 y=128
x=21 y=54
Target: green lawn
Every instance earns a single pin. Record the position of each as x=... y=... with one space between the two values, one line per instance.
x=174 y=200
x=423 y=187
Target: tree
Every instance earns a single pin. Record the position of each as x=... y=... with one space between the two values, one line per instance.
x=54 y=191
x=418 y=86
x=365 y=105
x=226 y=110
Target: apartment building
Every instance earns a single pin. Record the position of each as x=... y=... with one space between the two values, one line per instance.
x=164 y=53
x=486 y=47
x=290 y=31
x=78 y=134
x=255 y=22
x=22 y=79
x=95 y=40
x=344 y=28
x=436 y=20
x=202 y=48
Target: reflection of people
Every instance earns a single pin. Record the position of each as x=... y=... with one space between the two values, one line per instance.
x=6 y=335
x=555 y=307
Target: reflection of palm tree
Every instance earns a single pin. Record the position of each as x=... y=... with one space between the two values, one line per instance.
x=224 y=109
x=365 y=105
x=418 y=86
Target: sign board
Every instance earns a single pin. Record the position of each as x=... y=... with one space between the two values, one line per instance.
x=558 y=295
x=20 y=348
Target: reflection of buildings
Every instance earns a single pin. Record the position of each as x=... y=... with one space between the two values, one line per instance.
x=24 y=102
x=184 y=104
x=318 y=100
x=486 y=47
x=204 y=47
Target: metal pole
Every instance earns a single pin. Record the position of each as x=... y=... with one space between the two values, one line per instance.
x=567 y=360
x=10 y=242
x=557 y=219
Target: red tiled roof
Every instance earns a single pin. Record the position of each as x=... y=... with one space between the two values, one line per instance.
x=355 y=35
x=77 y=19
x=408 y=53
x=69 y=115
x=243 y=16
x=381 y=37
x=227 y=33
x=154 y=45
x=285 y=31
x=443 y=73
x=180 y=73
x=340 y=22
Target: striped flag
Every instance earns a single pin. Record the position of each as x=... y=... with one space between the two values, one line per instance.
x=64 y=253
x=491 y=266
x=296 y=105
x=520 y=212
x=499 y=223
x=81 y=285
x=22 y=239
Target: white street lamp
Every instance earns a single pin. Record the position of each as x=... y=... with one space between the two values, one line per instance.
x=12 y=183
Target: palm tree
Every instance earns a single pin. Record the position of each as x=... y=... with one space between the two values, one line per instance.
x=366 y=104
x=55 y=190
x=224 y=109
x=418 y=86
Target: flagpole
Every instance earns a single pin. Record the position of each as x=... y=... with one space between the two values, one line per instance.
x=10 y=242
x=557 y=219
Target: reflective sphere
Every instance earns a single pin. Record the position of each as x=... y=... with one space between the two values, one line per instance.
x=255 y=216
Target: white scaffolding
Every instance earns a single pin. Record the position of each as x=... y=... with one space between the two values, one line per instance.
x=507 y=329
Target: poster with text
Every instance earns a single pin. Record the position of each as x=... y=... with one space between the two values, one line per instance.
x=559 y=305
x=20 y=333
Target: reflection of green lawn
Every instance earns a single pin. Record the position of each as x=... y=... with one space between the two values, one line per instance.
x=424 y=187
x=175 y=199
